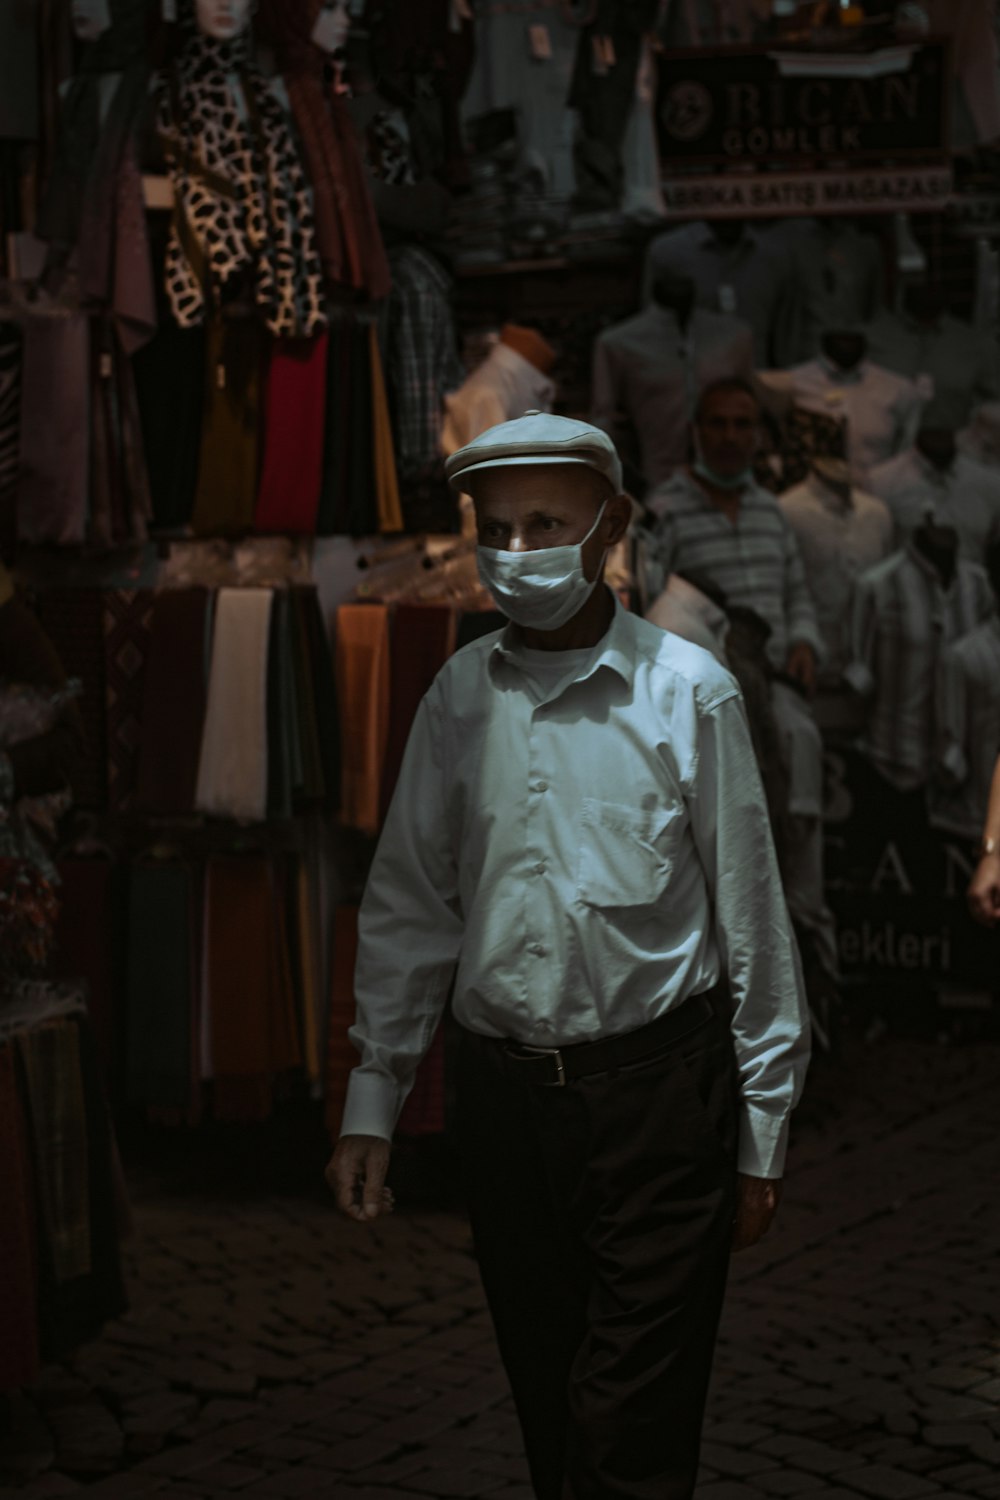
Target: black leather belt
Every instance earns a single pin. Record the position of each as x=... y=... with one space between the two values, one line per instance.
x=557 y=1066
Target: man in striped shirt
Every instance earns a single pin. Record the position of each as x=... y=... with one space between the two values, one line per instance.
x=714 y=520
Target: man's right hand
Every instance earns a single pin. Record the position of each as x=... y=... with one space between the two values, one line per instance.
x=356 y=1175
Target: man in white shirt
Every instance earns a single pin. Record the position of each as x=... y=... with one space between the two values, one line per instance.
x=579 y=830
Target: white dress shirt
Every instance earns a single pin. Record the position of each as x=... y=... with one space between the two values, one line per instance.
x=504 y=386
x=902 y=618
x=966 y=496
x=753 y=280
x=882 y=410
x=838 y=539
x=648 y=373
x=954 y=364
x=967 y=730
x=590 y=848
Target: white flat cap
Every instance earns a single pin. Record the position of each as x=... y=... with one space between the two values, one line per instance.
x=537 y=438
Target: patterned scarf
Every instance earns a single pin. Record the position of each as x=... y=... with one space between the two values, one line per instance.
x=242 y=207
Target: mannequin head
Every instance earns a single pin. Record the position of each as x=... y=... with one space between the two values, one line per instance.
x=924 y=301
x=844 y=348
x=727 y=231
x=674 y=292
x=332 y=26
x=223 y=19
x=91 y=19
x=530 y=344
x=937 y=444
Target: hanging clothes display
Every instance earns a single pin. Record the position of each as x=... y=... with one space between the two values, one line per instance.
x=232 y=771
x=93 y=208
x=242 y=209
x=363 y=687
x=163 y=969
x=228 y=462
x=347 y=233
x=295 y=407
x=603 y=91
x=55 y=430
x=170 y=385
x=422 y=639
x=121 y=503
x=421 y=355
x=127 y=620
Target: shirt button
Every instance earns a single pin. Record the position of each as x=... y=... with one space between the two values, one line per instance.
x=538 y=950
x=543 y=1026
x=540 y=868
x=541 y=786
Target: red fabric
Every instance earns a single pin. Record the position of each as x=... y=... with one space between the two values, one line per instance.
x=19 y=1356
x=422 y=639
x=288 y=498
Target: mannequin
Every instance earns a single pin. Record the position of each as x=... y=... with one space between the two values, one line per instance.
x=938 y=446
x=844 y=348
x=307 y=37
x=881 y=410
x=954 y=365
x=243 y=224
x=939 y=544
x=835 y=473
x=93 y=210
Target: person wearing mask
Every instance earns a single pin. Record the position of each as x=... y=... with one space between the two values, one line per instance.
x=715 y=520
x=579 y=849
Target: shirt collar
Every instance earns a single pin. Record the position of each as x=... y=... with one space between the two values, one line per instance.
x=838 y=374
x=616 y=649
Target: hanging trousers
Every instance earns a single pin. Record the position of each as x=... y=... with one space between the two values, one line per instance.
x=602 y=1217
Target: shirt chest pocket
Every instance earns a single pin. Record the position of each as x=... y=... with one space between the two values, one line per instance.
x=626 y=854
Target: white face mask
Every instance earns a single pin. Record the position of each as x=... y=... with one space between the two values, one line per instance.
x=542 y=589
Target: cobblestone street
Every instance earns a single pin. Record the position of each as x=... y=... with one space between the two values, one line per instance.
x=274 y=1350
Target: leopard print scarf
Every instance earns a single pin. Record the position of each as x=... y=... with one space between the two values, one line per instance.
x=242 y=207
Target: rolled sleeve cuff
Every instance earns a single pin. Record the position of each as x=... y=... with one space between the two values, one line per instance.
x=763 y=1143
x=858 y=676
x=372 y=1106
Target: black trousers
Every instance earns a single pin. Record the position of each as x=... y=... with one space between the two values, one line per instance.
x=602 y=1219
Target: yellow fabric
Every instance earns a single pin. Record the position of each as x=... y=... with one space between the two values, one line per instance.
x=390 y=513
x=362 y=661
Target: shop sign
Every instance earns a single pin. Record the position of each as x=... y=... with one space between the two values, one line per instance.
x=754 y=105
x=763 y=195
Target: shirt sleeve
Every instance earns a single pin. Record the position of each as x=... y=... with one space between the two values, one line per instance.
x=770 y=1021
x=800 y=612
x=949 y=719
x=409 y=936
x=860 y=670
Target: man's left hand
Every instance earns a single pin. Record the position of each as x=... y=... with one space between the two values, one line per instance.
x=801 y=665
x=756 y=1205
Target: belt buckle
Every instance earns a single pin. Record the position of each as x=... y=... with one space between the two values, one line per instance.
x=556 y=1052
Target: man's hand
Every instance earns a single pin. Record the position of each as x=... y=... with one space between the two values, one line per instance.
x=801 y=665
x=984 y=891
x=356 y=1175
x=756 y=1205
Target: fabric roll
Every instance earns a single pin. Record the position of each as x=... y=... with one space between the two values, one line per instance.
x=73 y=619
x=170 y=385
x=312 y=787
x=55 y=430
x=363 y=691
x=390 y=515
x=232 y=768
x=173 y=701
x=332 y=517
x=340 y=1054
x=128 y=618
x=19 y=1353
x=226 y=490
x=92 y=918
x=248 y=985
x=362 y=512
x=422 y=639
x=50 y=1058
x=75 y=1310
x=161 y=986
x=324 y=697
x=293 y=437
